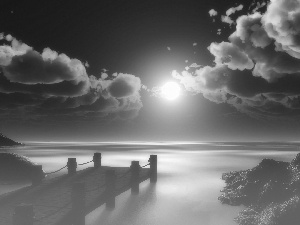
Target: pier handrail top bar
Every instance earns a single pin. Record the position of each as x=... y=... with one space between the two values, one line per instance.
x=81 y=164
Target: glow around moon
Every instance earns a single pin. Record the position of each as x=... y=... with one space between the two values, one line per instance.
x=170 y=91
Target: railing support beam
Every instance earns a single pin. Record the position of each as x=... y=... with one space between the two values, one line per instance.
x=72 y=166
x=110 y=180
x=78 y=204
x=97 y=160
x=135 y=175
x=153 y=168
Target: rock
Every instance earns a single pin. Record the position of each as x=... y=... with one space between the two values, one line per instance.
x=15 y=167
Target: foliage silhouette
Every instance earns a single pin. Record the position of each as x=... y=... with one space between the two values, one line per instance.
x=270 y=192
x=15 y=167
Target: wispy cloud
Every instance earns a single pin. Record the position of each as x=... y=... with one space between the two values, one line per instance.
x=226 y=18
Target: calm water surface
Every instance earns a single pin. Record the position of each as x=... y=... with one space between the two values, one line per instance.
x=188 y=183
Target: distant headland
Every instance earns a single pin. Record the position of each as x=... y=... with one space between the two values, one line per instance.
x=5 y=141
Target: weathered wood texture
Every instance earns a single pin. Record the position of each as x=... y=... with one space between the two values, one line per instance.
x=52 y=199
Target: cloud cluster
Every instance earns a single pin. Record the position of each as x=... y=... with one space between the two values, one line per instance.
x=258 y=70
x=257 y=6
x=229 y=54
x=124 y=85
x=229 y=12
x=232 y=10
x=34 y=84
x=212 y=12
x=282 y=23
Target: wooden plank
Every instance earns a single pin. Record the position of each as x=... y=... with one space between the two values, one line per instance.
x=52 y=199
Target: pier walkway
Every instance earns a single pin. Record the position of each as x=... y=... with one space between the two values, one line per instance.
x=68 y=198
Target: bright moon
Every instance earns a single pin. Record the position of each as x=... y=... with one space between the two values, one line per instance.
x=170 y=90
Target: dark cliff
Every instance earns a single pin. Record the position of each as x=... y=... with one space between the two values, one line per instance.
x=5 y=141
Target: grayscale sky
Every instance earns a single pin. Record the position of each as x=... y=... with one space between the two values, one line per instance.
x=95 y=70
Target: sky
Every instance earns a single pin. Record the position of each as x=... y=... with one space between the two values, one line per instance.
x=96 y=70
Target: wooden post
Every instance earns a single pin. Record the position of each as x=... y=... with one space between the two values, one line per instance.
x=153 y=168
x=97 y=160
x=37 y=175
x=135 y=175
x=78 y=204
x=72 y=165
x=110 y=180
x=23 y=215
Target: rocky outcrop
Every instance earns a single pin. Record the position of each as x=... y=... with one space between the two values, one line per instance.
x=270 y=191
x=5 y=141
x=15 y=167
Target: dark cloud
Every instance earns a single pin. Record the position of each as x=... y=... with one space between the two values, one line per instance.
x=124 y=85
x=258 y=70
x=32 y=68
x=16 y=100
x=64 y=88
x=49 y=84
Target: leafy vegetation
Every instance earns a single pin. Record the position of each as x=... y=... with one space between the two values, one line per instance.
x=270 y=192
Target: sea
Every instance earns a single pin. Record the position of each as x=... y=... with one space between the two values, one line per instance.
x=189 y=177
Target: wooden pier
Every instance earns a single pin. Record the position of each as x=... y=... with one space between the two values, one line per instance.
x=65 y=200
